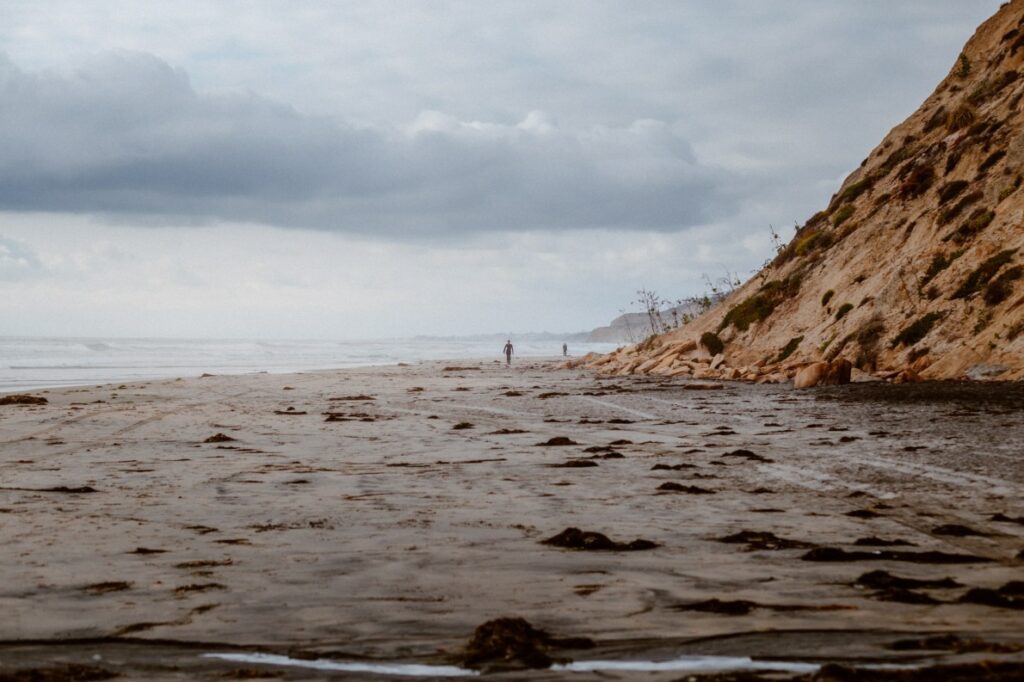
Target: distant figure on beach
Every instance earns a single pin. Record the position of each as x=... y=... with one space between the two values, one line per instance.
x=508 y=350
x=565 y=349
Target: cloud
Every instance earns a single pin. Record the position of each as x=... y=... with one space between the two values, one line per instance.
x=18 y=261
x=127 y=134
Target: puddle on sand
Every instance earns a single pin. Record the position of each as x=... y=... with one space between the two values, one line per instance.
x=681 y=664
x=402 y=669
x=691 y=664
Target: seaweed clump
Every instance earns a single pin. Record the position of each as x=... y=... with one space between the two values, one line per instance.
x=513 y=643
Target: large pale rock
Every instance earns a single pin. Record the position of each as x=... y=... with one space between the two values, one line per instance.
x=921 y=364
x=646 y=366
x=811 y=375
x=835 y=373
x=907 y=376
x=717 y=361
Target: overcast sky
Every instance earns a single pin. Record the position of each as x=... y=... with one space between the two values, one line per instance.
x=305 y=169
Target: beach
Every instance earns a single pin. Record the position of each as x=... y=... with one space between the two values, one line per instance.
x=381 y=514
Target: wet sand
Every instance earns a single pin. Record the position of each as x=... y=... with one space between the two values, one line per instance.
x=382 y=514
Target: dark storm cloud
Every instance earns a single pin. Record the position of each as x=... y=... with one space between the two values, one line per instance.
x=128 y=134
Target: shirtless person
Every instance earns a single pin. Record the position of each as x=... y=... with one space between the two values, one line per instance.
x=508 y=350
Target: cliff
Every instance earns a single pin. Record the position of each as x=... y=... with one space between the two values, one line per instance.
x=914 y=269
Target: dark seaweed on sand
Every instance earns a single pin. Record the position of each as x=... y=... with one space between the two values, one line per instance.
x=574 y=538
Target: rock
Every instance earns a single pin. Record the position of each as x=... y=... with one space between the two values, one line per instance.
x=645 y=367
x=907 y=376
x=981 y=372
x=733 y=374
x=811 y=375
x=839 y=372
x=921 y=364
x=835 y=373
x=717 y=361
x=859 y=376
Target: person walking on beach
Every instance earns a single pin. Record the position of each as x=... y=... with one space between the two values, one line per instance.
x=565 y=350
x=508 y=350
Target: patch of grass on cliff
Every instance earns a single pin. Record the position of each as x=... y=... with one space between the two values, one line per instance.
x=999 y=289
x=917 y=182
x=1011 y=188
x=936 y=120
x=826 y=297
x=991 y=88
x=940 y=262
x=983 y=274
x=851 y=193
x=916 y=330
x=908 y=150
x=761 y=305
x=953 y=211
x=843 y=309
x=951 y=190
x=979 y=220
x=963 y=69
x=789 y=348
x=961 y=117
x=816 y=240
x=711 y=341
x=992 y=160
x=842 y=215
x=754 y=309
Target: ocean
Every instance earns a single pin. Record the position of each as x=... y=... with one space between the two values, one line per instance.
x=34 y=363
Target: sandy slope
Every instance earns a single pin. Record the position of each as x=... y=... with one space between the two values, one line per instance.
x=388 y=534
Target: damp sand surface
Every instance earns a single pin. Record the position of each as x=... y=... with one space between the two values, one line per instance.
x=379 y=515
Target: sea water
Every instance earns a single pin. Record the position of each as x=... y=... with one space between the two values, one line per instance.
x=28 y=363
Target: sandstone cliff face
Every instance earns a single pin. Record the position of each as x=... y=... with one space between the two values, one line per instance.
x=916 y=267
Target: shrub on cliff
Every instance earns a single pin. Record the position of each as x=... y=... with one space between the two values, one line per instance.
x=940 y=262
x=1001 y=287
x=961 y=117
x=951 y=190
x=762 y=304
x=842 y=215
x=789 y=348
x=712 y=343
x=983 y=274
x=979 y=220
x=917 y=330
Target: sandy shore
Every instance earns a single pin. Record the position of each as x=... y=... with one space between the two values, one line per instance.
x=383 y=513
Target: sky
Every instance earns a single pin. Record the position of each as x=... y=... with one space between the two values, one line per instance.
x=376 y=169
